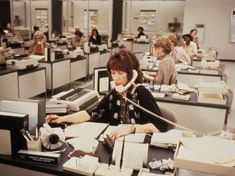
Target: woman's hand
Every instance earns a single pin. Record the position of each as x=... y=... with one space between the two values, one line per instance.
x=53 y=119
x=120 y=132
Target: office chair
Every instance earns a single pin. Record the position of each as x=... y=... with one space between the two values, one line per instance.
x=169 y=115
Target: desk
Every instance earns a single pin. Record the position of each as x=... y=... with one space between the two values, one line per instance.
x=57 y=73
x=104 y=57
x=191 y=79
x=78 y=68
x=201 y=117
x=92 y=62
x=8 y=84
x=32 y=82
x=13 y=166
x=141 y=47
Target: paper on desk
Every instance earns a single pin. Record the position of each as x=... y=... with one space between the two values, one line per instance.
x=213 y=149
x=88 y=145
x=85 y=129
x=132 y=151
x=171 y=137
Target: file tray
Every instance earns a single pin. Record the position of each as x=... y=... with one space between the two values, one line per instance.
x=186 y=159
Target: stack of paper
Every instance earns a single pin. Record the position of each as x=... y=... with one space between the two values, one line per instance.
x=207 y=154
x=56 y=108
x=167 y=139
x=181 y=97
x=85 y=129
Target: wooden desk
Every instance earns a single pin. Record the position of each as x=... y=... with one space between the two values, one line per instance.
x=201 y=117
x=32 y=82
x=57 y=73
x=8 y=84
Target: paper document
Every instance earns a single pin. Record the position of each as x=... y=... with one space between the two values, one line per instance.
x=131 y=151
x=169 y=138
x=213 y=149
x=85 y=129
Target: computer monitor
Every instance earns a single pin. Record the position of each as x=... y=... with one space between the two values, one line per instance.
x=101 y=80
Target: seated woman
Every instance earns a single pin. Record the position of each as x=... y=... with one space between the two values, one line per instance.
x=77 y=41
x=114 y=109
x=141 y=32
x=166 y=73
x=188 y=45
x=95 y=37
x=194 y=36
x=178 y=53
x=39 y=44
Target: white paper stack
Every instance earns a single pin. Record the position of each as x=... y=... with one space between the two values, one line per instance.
x=85 y=129
x=167 y=139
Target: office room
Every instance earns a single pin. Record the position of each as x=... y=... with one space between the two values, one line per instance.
x=117 y=87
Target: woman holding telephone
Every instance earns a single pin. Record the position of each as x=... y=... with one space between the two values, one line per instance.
x=124 y=69
x=39 y=44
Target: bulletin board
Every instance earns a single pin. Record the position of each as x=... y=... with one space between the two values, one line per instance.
x=93 y=18
x=148 y=20
x=41 y=17
x=232 y=26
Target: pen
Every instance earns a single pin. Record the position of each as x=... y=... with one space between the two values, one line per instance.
x=122 y=152
x=29 y=136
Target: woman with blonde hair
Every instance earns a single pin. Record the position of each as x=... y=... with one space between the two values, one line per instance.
x=166 y=73
x=39 y=44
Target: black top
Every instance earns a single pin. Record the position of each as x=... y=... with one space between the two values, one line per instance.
x=140 y=34
x=114 y=110
x=95 y=41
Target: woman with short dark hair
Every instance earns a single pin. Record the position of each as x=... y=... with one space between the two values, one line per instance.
x=114 y=109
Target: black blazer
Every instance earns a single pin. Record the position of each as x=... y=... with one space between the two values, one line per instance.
x=96 y=41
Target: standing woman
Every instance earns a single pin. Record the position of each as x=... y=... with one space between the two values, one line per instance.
x=39 y=44
x=114 y=109
x=95 y=37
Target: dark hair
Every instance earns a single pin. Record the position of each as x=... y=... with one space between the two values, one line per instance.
x=96 y=30
x=187 y=38
x=163 y=42
x=35 y=28
x=125 y=61
x=194 y=29
x=140 y=28
x=80 y=34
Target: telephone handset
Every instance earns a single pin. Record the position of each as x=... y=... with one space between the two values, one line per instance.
x=121 y=88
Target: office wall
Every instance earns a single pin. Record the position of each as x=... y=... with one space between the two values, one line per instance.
x=104 y=12
x=166 y=11
x=215 y=15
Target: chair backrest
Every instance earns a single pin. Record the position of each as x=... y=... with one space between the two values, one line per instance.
x=173 y=79
x=169 y=115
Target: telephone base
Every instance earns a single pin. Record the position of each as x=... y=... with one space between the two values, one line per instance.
x=112 y=170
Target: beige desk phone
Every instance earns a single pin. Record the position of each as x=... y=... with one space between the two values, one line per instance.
x=121 y=88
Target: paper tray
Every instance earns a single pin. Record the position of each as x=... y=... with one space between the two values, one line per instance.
x=195 y=165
